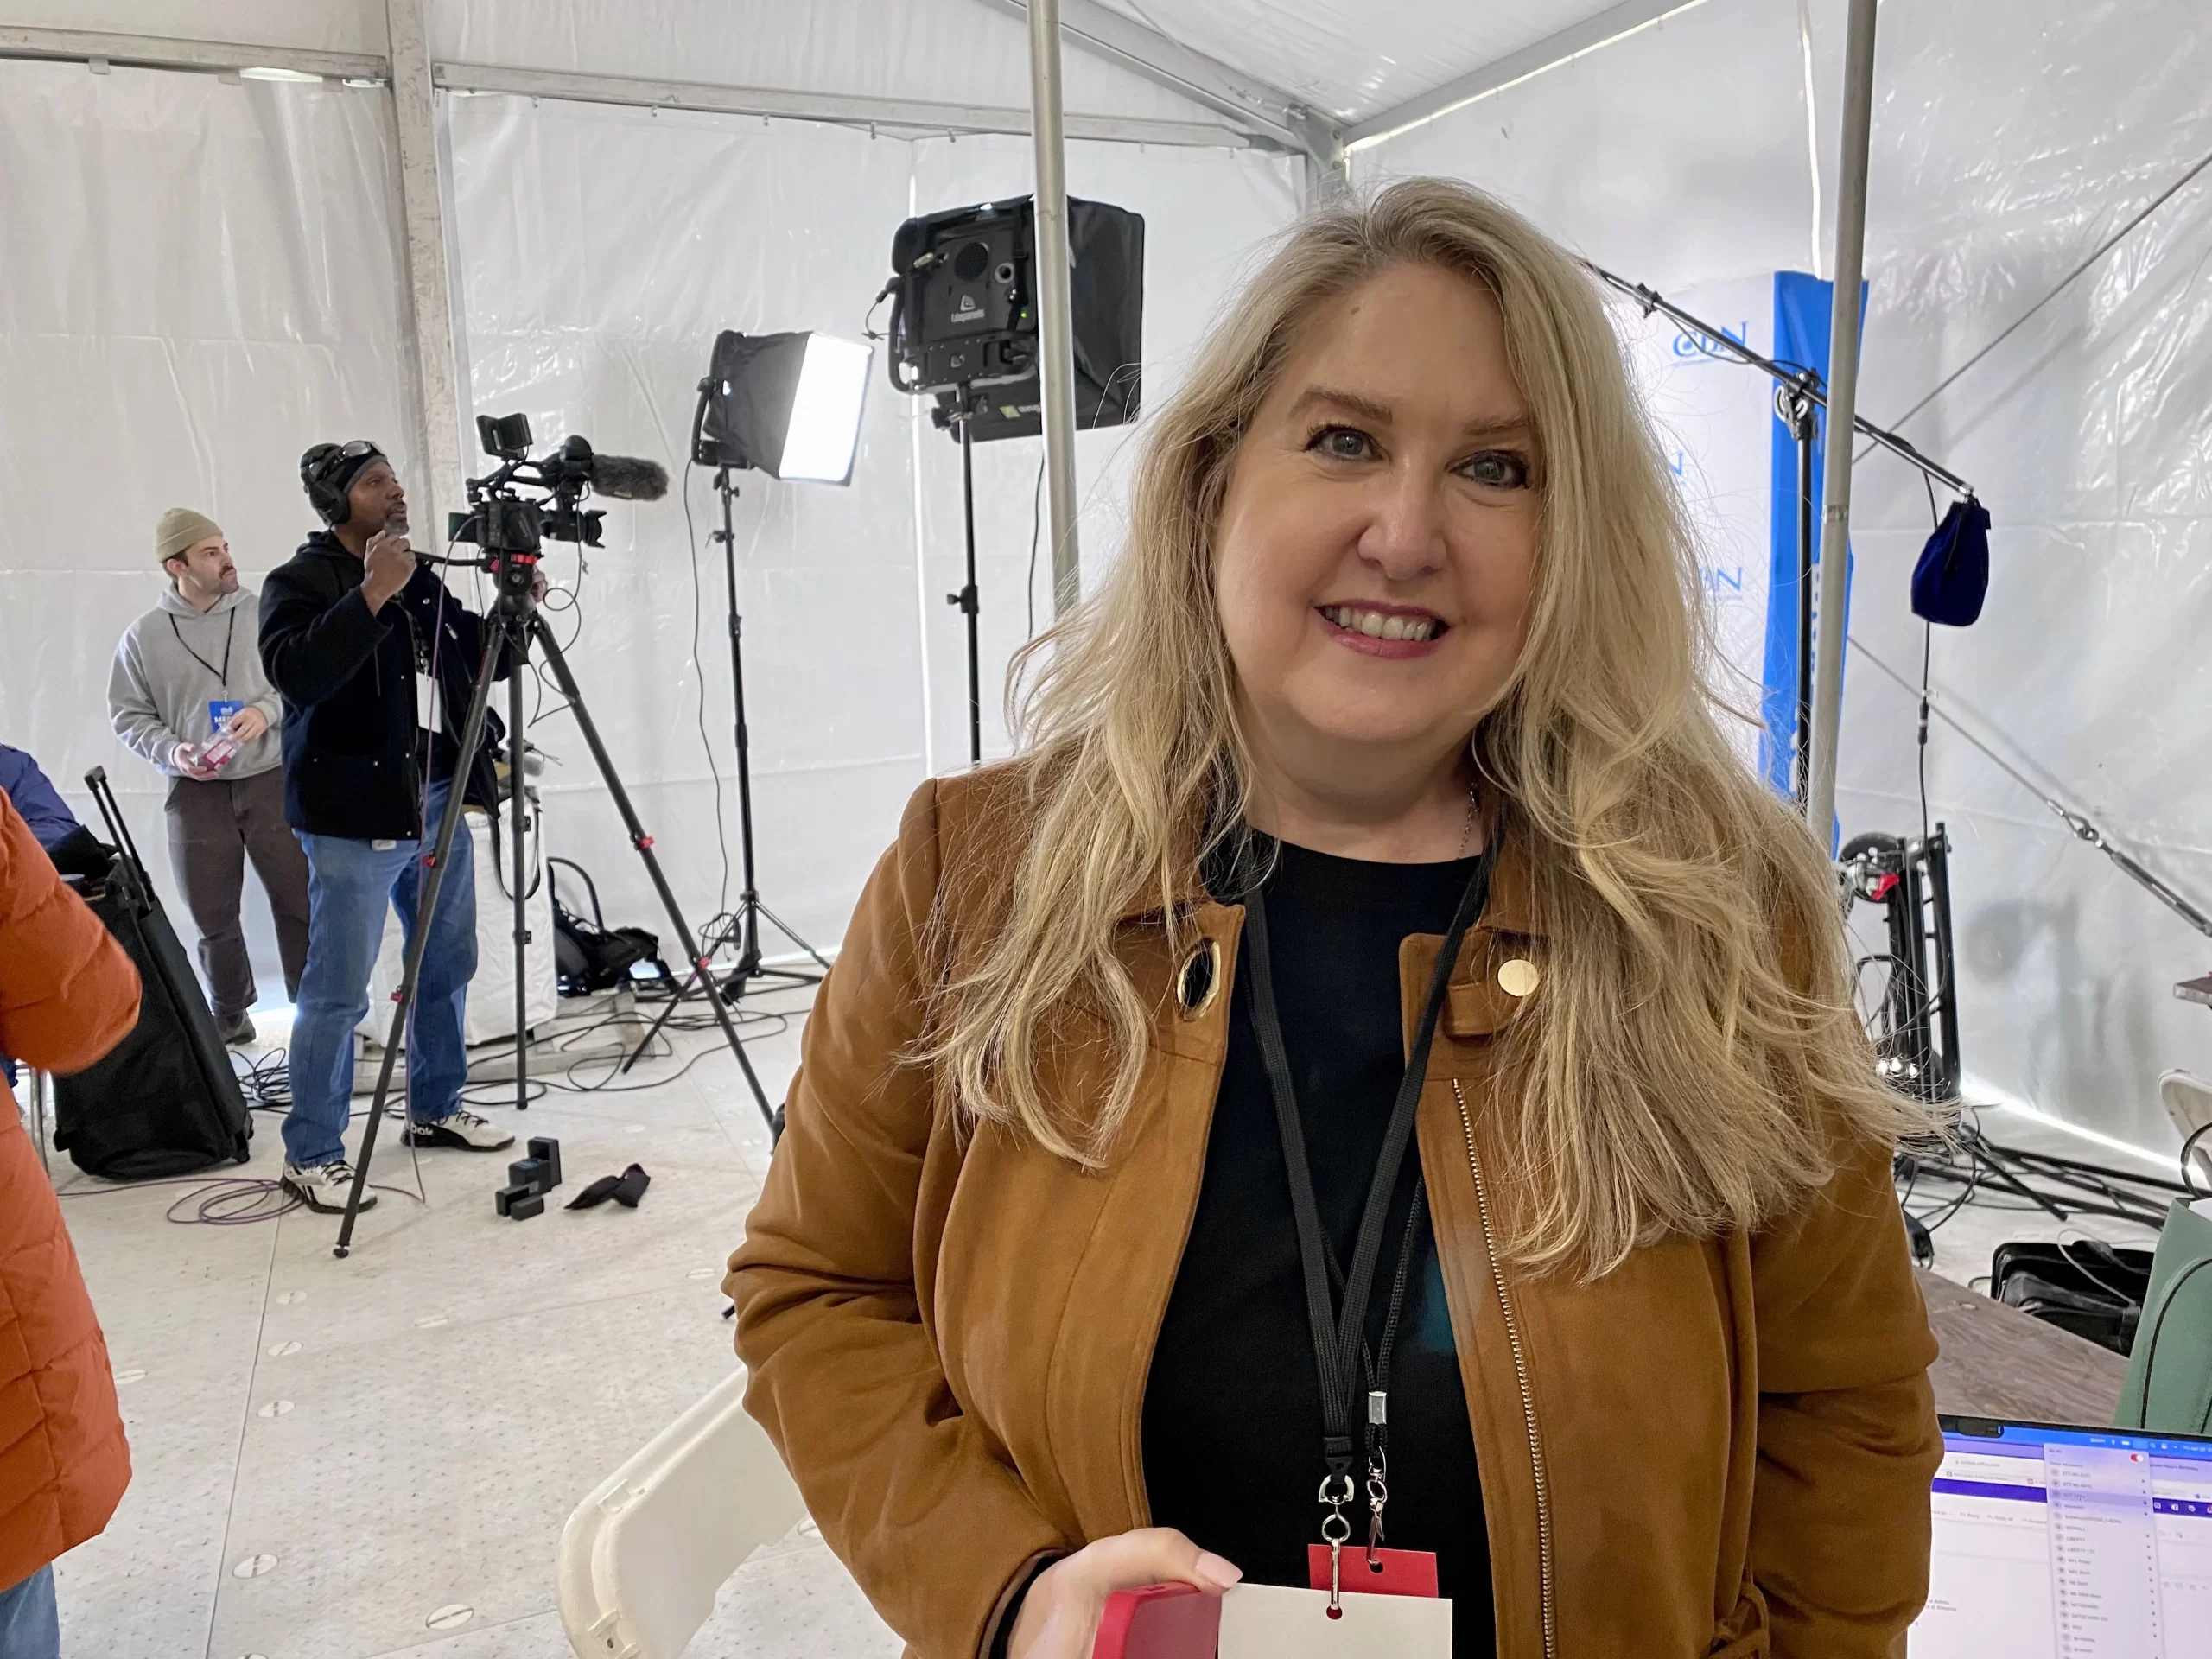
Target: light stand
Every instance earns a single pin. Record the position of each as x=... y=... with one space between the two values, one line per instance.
x=744 y=923
x=742 y=927
x=1794 y=404
x=1917 y=1052
x=962 y=413
x=516 y=625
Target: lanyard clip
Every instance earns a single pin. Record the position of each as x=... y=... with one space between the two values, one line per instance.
x=1336 y=1490
x=1378 y=1495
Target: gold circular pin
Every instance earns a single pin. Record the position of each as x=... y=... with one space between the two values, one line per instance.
x=1518 y=977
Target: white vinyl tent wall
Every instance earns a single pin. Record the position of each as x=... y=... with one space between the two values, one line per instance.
x=595 y=251
x=2010 y=137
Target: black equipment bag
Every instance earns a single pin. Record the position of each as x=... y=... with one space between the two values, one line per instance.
x=589 y=956
x=2088 y=1287
x=165 y=1102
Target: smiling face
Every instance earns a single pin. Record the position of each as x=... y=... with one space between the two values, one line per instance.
x=1375 y=555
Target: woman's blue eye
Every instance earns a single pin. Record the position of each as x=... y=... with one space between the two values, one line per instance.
x=1497 y=468
x=1341 y=442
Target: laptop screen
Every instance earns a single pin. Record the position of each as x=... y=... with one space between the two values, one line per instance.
x=2068 y=1544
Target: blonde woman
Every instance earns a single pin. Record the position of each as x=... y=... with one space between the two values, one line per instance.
x=1376 y=976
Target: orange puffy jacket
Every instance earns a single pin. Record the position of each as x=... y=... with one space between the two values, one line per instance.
x=67 y=995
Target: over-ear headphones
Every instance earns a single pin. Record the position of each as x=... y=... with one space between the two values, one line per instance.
x=327 y=472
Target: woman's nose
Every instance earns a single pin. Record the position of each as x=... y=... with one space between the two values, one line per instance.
x=1404 y=535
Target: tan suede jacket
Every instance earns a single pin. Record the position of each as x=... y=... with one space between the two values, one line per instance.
x=1721 y=1448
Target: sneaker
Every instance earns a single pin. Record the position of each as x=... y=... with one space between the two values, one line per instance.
x=325 y=1188
x=463 y=1128
x=235 y=1034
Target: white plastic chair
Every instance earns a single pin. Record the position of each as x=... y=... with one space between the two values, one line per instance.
x=2188 y=1101
x=642 y=1557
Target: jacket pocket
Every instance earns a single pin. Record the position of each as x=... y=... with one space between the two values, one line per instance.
x=345 y=788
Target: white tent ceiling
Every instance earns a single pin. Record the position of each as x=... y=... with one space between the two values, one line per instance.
x=1353 y=60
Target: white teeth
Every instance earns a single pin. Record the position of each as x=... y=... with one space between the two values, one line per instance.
x=1377 y=626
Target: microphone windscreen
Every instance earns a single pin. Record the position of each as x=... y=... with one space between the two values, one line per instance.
x=629 y=478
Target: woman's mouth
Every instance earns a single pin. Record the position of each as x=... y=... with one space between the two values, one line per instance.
x=1375 y=629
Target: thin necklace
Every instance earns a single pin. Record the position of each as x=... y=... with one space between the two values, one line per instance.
x=1468 y=833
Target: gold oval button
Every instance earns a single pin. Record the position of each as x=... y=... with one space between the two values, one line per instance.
x=1199 y=980
x=1518 y=977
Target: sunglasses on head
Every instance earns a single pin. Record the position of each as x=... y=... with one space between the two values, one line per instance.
x=333 y=453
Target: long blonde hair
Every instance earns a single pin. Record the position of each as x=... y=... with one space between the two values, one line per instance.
x=1692 y=1061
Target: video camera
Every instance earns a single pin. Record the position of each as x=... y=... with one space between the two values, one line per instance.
x=511 y=528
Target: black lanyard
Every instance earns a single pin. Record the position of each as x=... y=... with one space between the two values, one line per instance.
x=1340 y=1329
x=230 y=628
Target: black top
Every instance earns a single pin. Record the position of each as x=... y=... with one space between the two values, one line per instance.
x=354 y=761
x=1232 y=1410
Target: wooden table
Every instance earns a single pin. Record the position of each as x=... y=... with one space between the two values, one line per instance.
x=1999 y=1362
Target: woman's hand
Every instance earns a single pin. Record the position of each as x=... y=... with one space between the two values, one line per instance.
x=1059 y=1616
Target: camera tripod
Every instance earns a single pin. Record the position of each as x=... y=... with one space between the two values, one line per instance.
x=515 y=625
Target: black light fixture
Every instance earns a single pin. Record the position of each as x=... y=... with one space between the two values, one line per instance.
x=788 y=406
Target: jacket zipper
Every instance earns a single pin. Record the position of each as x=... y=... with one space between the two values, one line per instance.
x=1520 y=1375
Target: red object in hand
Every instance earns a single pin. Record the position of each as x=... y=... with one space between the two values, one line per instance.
x=1403 y=1572
x=1161 y=1621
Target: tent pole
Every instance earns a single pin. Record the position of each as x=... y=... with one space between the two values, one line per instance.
x=1843 y=404
x=1056 y=338
x=422 y=224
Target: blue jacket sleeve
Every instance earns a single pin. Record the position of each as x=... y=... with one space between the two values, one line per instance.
x=34 y=796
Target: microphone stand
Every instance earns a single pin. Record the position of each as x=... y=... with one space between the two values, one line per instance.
x=1798 y=393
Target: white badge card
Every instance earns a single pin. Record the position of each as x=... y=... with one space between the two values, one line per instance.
x=427 y=712
x=1268 y=1621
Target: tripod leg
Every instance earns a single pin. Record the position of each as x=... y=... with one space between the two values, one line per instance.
x=667 y=1013
x=516 y=819
x=785 y=928
x=426 y=907
x=644 y=843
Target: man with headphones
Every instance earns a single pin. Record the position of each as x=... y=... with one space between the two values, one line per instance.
x=375 y=660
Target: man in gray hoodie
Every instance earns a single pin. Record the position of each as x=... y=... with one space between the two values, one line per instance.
x=187 y=693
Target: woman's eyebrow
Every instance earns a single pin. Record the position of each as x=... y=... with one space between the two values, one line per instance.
x=1352 y=401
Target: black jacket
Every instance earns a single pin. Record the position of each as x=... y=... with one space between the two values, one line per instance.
x=354 y=763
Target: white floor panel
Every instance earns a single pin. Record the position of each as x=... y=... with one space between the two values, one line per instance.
x=401 y=1434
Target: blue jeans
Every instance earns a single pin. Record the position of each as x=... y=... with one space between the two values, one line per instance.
x=350 y=883
x=30 y=1626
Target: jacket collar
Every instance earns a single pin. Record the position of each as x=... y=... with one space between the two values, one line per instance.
x=323 y=544
x=1512 y=907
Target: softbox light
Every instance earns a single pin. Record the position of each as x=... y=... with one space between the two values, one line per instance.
x=788 y=406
